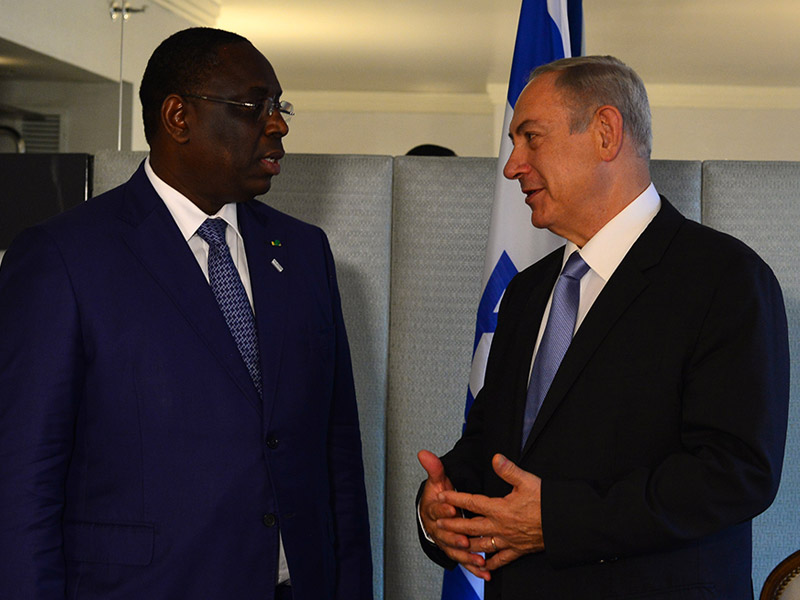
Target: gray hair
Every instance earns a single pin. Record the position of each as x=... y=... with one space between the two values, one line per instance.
x=589 y=82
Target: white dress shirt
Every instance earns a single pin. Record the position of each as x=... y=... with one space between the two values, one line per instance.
x=605 y=251
x=189 y=218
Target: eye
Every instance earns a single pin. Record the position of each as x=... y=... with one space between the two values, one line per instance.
x=256 y=108
x=261 y=109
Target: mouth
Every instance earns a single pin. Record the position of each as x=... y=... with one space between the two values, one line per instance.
x=531 y=194
x=271 y=162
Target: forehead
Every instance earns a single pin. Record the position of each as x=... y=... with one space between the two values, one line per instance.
x=243 y=70
x=540 y=100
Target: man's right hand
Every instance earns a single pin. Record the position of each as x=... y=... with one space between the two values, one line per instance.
x=454 y=545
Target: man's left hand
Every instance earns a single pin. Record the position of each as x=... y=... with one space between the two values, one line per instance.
x=510 y=526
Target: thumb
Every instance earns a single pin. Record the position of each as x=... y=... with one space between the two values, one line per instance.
x=434 y=467
x=507 y=470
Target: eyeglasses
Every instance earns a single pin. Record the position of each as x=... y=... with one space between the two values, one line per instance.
x=261 y=110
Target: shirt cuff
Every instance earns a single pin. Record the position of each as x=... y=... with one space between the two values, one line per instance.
x=422 y=527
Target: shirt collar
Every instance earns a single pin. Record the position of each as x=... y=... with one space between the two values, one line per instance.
x=605 y=251
x=187 y=215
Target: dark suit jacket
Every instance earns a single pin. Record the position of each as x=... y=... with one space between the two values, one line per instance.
x=662 y=434
x=136 y=459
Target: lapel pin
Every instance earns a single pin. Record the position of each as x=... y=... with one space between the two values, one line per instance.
x=276 y=242
x=277 y=265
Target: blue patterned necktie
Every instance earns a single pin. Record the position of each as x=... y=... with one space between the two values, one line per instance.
x=231 y=295
x=556 y=338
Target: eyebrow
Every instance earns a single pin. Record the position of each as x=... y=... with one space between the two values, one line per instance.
x=521 y=126
x=264 y=92
x=267 y=91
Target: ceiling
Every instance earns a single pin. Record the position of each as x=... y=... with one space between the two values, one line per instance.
x=18 y=62
x=462 y=45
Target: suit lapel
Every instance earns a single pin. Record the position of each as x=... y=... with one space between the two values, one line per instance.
x=157 y=242
x=266 y=261
x=625 y=285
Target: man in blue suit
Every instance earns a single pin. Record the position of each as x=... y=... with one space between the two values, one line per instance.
x=177 y=410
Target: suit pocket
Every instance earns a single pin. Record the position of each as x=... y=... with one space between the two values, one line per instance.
x=109 y=543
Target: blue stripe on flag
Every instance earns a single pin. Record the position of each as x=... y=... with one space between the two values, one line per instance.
x=539 y=41
x=501 y=276
x=486 y=321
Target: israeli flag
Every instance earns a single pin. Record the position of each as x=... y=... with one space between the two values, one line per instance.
x=548 y=30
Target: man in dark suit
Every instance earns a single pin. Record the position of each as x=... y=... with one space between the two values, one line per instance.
x=177 y=410
x=630 y=467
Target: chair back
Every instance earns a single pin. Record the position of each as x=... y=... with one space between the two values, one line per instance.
x=783 y=583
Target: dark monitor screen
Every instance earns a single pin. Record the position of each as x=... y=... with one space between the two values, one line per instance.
x=34 y=187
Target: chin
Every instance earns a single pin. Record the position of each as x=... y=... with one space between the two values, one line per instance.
x=538 y=225
x=260 y=189
x=537 y=220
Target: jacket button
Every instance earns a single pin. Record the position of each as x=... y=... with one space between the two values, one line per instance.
x=269 y=520
x=272 y=443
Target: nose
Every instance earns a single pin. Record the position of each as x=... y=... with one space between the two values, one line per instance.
x=276 y=124
x=516 y=166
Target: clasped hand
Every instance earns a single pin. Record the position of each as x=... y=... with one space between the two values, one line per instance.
x=505 y=528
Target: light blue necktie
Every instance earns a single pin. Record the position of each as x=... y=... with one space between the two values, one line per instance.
x=231 y=295
x=556 y=338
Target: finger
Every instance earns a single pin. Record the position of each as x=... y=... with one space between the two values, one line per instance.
x=479 y=572
x=508 y=471
x=462 y=557
x=440 y=510
x=434 y=467
x=501 y=559
x=484 y=544
x=456 y=541
x=475 y=503
x=430 y=508
x=477 y=526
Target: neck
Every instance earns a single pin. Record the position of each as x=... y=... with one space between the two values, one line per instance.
x=615 y=190
x=171 y=174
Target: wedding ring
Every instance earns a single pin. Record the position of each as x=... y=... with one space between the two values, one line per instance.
x=494 y=545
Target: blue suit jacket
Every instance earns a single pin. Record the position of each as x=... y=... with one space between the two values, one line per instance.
x=136 y=458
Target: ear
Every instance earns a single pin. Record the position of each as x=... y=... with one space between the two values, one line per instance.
x=608 y=124
x=173 y=118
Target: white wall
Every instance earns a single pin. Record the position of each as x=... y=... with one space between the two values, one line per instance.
x=82 y=33
x=726 y=134
x=388 y=123
x=689 y=122
x=725 y=122
x=89 y=111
